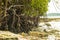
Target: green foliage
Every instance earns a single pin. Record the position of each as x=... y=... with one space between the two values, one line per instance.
x=36 y=7
x=31 y=7
x=12 y=13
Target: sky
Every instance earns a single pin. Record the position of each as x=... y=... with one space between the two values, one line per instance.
x=54 y=6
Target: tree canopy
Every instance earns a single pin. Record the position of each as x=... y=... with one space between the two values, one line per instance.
x=36 y=7
x=15 y=15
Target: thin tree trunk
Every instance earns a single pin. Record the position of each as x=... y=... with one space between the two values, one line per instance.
x=5 y=14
